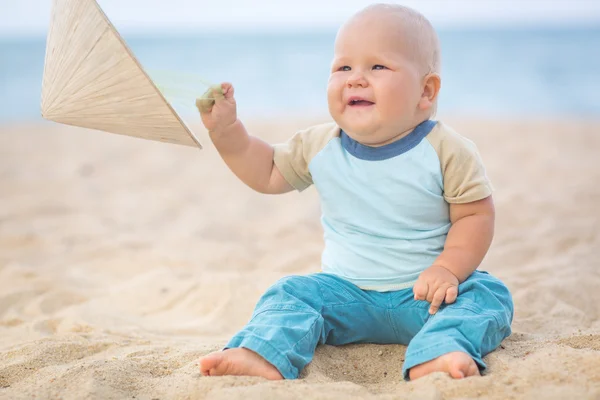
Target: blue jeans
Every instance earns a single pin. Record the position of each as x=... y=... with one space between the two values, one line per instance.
x=299 y=312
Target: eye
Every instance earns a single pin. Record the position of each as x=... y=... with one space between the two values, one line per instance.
x=379 y=67
x=344 y=68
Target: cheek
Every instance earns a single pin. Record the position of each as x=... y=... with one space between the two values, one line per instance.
x=398 y=95
x=334 y=92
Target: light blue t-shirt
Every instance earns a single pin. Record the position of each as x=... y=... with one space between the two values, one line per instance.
x=385 y=210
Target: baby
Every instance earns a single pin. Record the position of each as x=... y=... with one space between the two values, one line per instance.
x=407 y=215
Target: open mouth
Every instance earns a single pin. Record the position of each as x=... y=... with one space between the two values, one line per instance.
x=360 y=102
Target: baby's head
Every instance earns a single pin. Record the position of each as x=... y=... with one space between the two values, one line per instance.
x=385 y=73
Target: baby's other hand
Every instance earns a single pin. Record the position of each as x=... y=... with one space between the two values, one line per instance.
x=217 y=107
x=436 y=284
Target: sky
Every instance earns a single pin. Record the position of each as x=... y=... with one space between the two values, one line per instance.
x=31 y=17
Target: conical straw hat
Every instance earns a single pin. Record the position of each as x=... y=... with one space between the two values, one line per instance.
x=93 y=80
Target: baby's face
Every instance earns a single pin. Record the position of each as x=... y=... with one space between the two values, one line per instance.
x=374 y=88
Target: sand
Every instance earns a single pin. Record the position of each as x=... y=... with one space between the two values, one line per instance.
x=122 y=261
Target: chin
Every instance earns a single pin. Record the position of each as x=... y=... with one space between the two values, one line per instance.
x=362 y=137
x=359 y=131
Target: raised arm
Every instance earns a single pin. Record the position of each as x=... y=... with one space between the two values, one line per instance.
x=248 y=157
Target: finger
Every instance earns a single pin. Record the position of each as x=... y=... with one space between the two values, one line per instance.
x=451 y=294
x=437 y=300
x=420 y=290
x=430 y=293
x=227 y=90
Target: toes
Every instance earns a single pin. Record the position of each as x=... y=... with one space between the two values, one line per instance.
x=456 y=373
x=464 y=370
x=204 y=369
x=462 y=366
x=209 y=363
x=459 y=370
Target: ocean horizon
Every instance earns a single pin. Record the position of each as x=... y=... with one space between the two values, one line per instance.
x=496 y=72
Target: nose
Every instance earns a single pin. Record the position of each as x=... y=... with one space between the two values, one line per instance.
x=357 y=79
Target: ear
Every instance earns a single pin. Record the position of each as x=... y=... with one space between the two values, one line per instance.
x=431 y=88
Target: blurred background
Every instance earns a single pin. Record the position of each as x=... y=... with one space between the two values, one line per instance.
x=122 y=260
x=502 y=58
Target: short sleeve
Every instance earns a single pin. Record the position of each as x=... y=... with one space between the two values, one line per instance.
x=293 y=157
x=464 y=176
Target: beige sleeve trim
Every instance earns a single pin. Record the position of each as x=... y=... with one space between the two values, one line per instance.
x=464 y=175
x=293 y=157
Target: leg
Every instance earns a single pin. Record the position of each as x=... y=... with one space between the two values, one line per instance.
x=459 y=335
x=291 y=318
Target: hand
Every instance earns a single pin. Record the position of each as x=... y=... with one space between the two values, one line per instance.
x=217 y=107
x=435 y=285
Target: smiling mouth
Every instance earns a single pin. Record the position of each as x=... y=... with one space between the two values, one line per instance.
x=360 y=103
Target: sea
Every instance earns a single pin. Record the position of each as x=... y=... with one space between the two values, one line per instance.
x=496 y=72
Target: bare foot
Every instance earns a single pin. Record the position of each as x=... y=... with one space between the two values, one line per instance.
x=457 y=364
x=237 y=361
